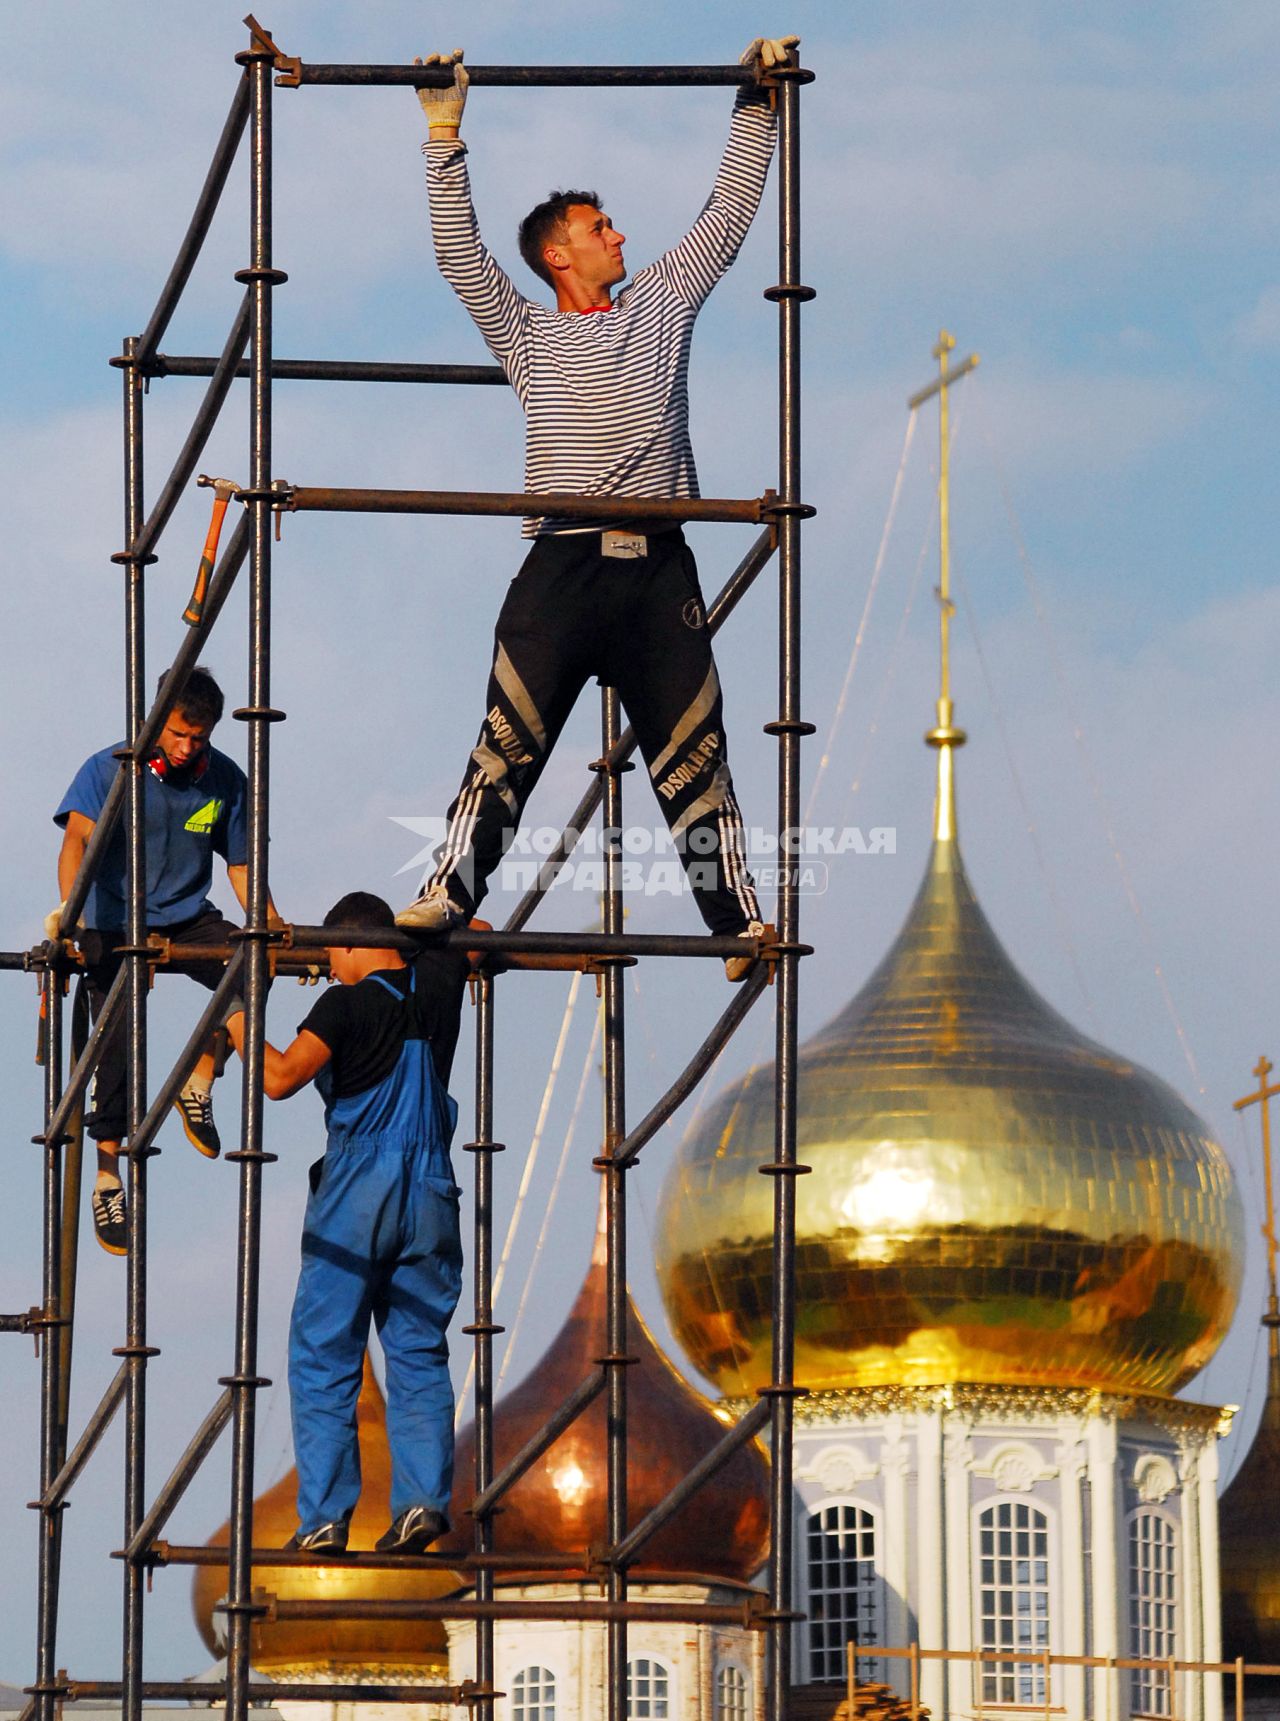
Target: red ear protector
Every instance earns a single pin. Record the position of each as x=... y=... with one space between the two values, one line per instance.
x=178 y=775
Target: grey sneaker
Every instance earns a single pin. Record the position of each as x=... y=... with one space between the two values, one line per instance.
x=328 y=1539
x=110 y=1219
x=737 y=968
x=413 y=1531
x=434 y=911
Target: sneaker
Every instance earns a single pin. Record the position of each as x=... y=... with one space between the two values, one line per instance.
x=434 y=911
x=110 y=1219
x=413 y=1531
x=328 y=1539
x=737 y=968
x=195 y=1108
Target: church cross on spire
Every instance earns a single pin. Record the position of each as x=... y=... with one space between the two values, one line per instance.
x=944 y=736
x=1265 y=1094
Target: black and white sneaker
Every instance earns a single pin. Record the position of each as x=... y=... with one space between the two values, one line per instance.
x=413 y=1531
x=328 y=1539
x=736 y=968
x=110 y=1218
x=434 y=911
x=195 y=1108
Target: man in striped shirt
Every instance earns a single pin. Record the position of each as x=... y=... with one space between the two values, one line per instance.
x=604 y=387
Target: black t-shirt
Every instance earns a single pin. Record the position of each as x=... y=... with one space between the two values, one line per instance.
x=364 y=1026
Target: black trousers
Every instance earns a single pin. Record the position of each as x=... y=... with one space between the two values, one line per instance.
x=107 y=1118
x=573 y=613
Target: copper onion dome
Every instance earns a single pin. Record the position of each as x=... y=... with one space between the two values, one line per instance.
x=559 y=1505
x=336 y=1649
x=995 y=1198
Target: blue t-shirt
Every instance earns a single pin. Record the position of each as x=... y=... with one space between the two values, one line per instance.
x=187 y=823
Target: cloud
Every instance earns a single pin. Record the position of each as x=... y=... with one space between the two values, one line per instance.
x=1258 y=329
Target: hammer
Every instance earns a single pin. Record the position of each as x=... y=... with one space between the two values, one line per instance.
x=223 y=490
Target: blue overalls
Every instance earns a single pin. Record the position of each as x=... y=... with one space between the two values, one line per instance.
x=380 y=1240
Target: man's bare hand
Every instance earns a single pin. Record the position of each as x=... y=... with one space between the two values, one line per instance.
x=767 y=53
x=443 y=107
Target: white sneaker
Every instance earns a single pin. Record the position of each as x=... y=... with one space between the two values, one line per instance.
x=737 y=968
x=434 y=911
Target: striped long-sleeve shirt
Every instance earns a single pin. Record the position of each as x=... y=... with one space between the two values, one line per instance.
x=606 y=397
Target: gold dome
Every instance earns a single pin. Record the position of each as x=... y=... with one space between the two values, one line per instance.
x=409 y=1650
x=994 y=1199
x=1249 y=1537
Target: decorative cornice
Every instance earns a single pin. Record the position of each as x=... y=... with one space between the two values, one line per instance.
x=842 y=1405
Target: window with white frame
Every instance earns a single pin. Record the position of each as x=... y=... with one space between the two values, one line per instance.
x=1153 y=1609
x=731 y=1693
x=533 y=1695
x=648 y=1690
x=1013 y=1598
x=843 y=1590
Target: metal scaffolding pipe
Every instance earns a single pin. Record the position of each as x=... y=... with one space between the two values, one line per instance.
x=610 y=1612
x=528 y=1560
x=520 y=77
x=87 y=1061
x=335 y=370
x=202 y=1444
x=211 y=1016
x=265 y=1693
x=688 y=1486
x=483 y=1330
x=207 y=202
x=555 y=1425
x=310 y=499
x=95 y=1428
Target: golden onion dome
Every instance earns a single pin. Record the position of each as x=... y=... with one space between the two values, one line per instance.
x=1249 y=1536
x=994 y=1197
x=407 y=1650
x=559 y=1504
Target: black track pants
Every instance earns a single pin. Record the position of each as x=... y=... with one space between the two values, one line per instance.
x=573 y=613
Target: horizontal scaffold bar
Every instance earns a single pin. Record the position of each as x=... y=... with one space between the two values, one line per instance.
x=745 y=1614
x=519 y=77
x=266 y=1692
x=178 y=1554
x=310 y=499
x=327 y=370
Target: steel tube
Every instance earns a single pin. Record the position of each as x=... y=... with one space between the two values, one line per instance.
x=140 y=1142
x=788 y=732
x=180 y=1554
x=529 y=77
x=265 y=1693
x=688 y=1486
x=182 y=665
x=94 y=1429
x=628 y=1150
x=313 y=499
x=72 y=1168
x=88 y=1059
x=725 y=603
x=483 y=1330
x=335 y=370
x=534 y=943
x=677 y=1613
x=260 y=278
x=615 y=1197
x=136 y=987
x=202 y=1444
x=193 y=240
x=49 y=1526
x=541 y=1442
x=202 y=425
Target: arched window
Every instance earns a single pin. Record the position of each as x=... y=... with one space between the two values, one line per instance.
x=1153 y=1609
x=648 y=1690
x=1013 y=1593
x=843 y=1598
x=731 y=1694
x=533 y=1695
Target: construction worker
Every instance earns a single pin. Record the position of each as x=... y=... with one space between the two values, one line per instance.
x=380 y=1239
x=604 y=386
x=194 y=799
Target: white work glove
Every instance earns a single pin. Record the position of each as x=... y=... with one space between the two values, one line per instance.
x=443 y=107
x=767 y=53
x=54 y=916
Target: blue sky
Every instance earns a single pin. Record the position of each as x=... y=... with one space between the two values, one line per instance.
x=1086 y=196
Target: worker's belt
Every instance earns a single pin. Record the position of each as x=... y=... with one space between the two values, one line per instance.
x=624 y=546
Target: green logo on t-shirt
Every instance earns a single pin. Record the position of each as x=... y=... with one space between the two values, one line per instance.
x=204 y=818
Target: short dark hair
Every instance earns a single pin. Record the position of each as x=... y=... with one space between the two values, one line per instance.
x=545 y=223
x=201 y=698
x=361 y=909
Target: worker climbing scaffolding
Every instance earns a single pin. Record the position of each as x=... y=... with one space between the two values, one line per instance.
x=605 y=389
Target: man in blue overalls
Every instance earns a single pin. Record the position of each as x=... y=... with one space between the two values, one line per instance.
x=380 y=1240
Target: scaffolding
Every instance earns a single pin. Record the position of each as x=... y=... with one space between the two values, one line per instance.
x=261 y=949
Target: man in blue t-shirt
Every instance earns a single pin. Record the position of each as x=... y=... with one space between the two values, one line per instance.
x=194 y=799
x=380 y=1240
